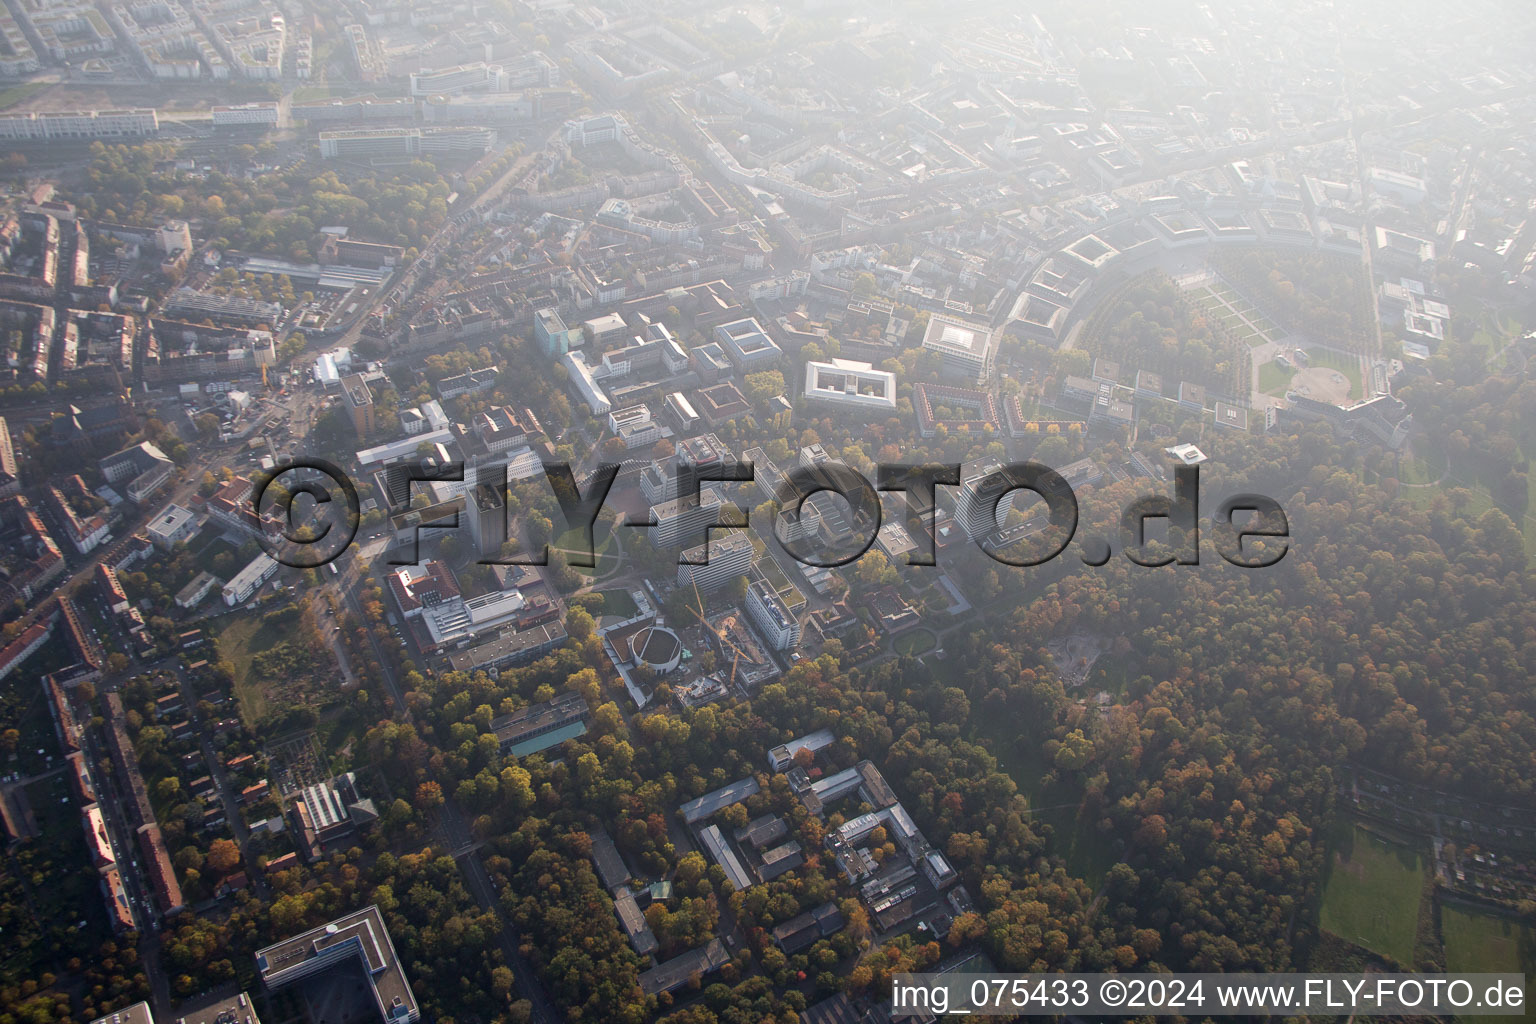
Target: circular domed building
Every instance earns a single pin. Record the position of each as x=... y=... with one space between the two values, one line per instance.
x=657 y=648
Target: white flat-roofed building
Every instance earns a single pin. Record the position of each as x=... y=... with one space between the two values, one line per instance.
x=771 y=617
x=138 y=1013
x=722 y=854
x=1407 y=187
x=247 y=581
x=394 y=451
x=585 y=384
x=457 y=621
x=729 y=557
x=1188 y=454
x=635 y=427
x=856 y=829
x=78 y=124
x=747 y=344
x=363 y=143
x=476 y=77
x=852 y=384
x=782 y=757
x=242 y=114
x=684 y=517
x=171 y=527
x=965 y=348
x=683 y=414
x=358 y=938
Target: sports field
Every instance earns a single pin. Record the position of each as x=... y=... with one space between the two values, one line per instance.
x=1477 y=941
x=1371 y=892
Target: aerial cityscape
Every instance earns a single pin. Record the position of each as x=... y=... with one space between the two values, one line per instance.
x=655 y=510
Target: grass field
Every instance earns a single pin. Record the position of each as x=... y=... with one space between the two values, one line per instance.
x=569 y=543
x=1476 y=941
x=17 y=93
x=1111 y=673
x=1274 y=379
x=618 y=603
x=918 y=641
x=1417 y=470
x=273 y=674
x=241 y=636
x=1431 y=468
x=1371 y=892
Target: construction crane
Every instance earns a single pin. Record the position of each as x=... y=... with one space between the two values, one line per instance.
x=719 y=634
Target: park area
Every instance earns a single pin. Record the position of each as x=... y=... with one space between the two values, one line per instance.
x=1372 y=888
x=604 y=546
x=1220 y=302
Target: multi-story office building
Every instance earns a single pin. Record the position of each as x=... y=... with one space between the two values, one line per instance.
x=965 y=348
x=747 y=345
x=683 y=519
x=487 y=511
x=248 y=580
x=851 y=384
x=555 y=338
x=728 y=557
x=393 y=143
x=635 y=426
x=449 y=81
x=661 y=481
x=359 y=401
x=356 y=940
x=245 y=114
x=772 y=618
x=980 y=494
x=78 y=124
x=502 y=427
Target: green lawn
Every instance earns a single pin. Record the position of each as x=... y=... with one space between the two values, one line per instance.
x=1275 y=379
x=1371 y=892
x=1480 y=942
x=569 y=543
x=1419 y=470
x=19 y=92
x=918 y=641
x=241 y=637
x=618 y=603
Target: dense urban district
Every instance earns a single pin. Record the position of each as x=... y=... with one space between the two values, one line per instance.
x=476 y=770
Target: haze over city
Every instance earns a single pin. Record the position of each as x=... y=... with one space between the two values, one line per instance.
x=540 y=510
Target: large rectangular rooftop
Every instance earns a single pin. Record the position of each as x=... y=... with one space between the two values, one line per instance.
x=359 y=936
x=708 y=804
